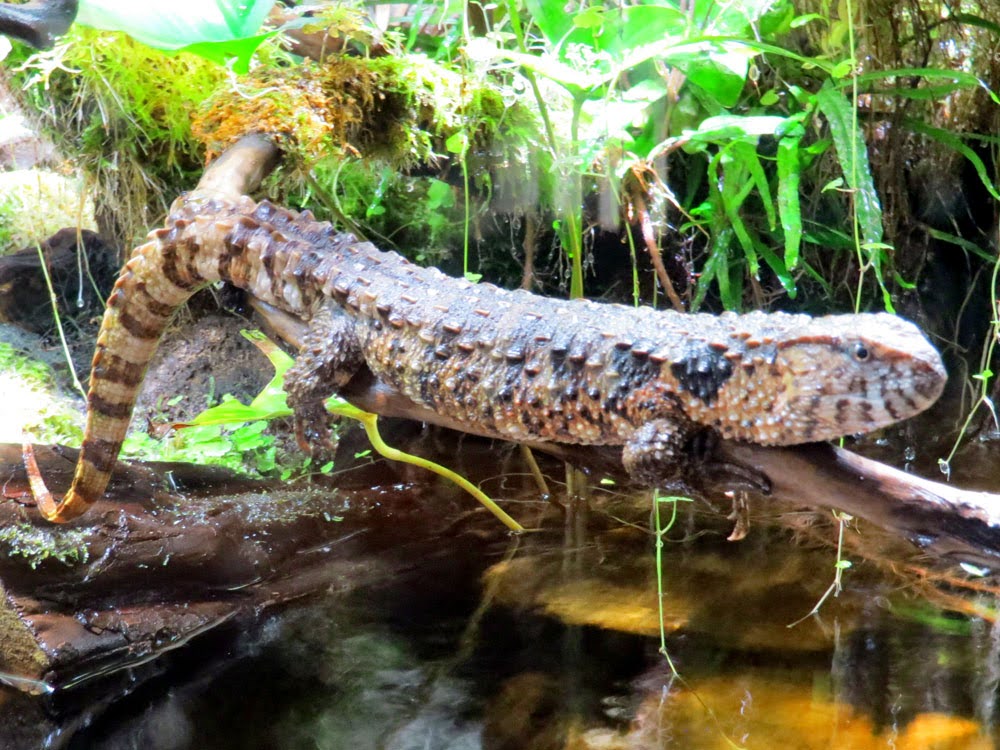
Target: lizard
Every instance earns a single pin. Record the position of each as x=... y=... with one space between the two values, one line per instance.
x=510 y=364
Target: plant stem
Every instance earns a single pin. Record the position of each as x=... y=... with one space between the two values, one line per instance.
x=370 y=423
x=573 y=206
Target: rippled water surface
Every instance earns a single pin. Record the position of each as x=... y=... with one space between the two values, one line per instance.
x=474 y=639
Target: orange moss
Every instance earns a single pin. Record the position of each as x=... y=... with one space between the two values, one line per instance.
x=297 y=106
x=399 y=109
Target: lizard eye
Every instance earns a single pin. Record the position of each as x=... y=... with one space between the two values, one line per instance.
x=860 y=352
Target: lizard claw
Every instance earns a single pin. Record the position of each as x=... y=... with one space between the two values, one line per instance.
x=313 y=428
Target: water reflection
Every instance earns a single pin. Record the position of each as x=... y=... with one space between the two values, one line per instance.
x=471 y=640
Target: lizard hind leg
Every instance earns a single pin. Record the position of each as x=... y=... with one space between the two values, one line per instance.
x=329 y=356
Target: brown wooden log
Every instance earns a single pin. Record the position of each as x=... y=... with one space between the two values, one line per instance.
x=937 y=517
x=240 y=169
x=174 y=551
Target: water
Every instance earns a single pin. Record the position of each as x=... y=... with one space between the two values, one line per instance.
x=472 y=639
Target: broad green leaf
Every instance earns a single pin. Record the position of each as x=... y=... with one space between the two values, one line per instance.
x=732 y=18
x=220 y=30
x=789 y=208
x=589 y=18
x=722 y=128
x=551 y=18
x=853 y=156
x=721 y=74
x=457 y=143
x=236 y=51
x=269 y=403
x=635 y=33
x=769 y=98
x=842 y=69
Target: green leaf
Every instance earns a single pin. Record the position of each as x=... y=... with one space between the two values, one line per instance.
x=721 y=74
x=789 y=208
x=735 y=189
x=636 y=33
x=800 y=21
x=551 y=19
x=972 y=20
x=219 y=30
x=853 y=156
x=747 y=153
x=777 y=265
x=577 y=82
x=716 y=269
x=842 y=69
x=589 y=18
x=235 y=51
x=457 y=143
x=722 y=128
x=269 y=403
x=439 y=195
x=955 y=143
x=769 y=98
x=963 y=243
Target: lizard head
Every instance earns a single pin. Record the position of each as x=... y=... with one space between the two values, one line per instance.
x=795 y=379
x=849 y=374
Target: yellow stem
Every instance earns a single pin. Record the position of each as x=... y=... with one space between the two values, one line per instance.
x=370 y=422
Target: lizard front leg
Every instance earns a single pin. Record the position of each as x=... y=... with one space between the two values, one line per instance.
x=329 y=356
x=656 y=454
x=665 y=451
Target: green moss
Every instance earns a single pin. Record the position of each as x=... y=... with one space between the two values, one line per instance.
x=35 y=204
x=123 y=109
x=397 y=109
x=33 y=402
x=36 y=545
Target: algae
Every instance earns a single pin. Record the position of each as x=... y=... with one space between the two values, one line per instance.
x=36 y=544
x=33 y=403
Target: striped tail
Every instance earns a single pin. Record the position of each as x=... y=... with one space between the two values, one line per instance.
x=148 y=292
x=257 y=247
